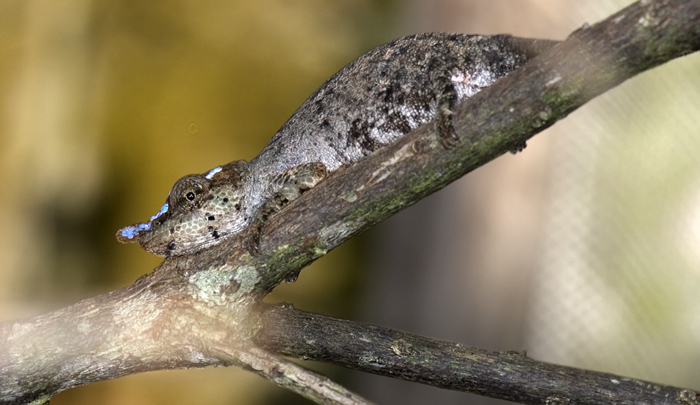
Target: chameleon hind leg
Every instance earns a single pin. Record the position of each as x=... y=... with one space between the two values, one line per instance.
x=286 y=187
x=446 y=98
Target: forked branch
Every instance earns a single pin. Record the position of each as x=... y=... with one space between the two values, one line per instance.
x=201 y=310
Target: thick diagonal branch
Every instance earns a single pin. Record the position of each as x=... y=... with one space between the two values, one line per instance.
x=501 y=118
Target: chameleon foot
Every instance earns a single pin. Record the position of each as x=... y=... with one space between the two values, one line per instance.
x=292 y=182
x=289 y=185
x=446 y=97
x=444 y=128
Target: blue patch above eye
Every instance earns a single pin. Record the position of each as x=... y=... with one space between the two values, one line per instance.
x=212 y=172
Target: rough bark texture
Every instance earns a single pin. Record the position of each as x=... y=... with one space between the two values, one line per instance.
x=506 y=375
x=196 y=311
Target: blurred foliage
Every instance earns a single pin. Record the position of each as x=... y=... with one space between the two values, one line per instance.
x=618 y=282
x=106 y=104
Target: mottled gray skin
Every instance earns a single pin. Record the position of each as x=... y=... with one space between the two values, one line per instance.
x=370 y=103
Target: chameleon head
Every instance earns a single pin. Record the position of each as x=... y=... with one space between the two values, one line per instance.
x=200 y=210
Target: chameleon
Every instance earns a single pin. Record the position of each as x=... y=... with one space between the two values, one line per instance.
x=370 y=103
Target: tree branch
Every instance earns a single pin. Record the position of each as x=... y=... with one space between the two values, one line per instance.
x=190 y=308
x=508 y=375
x=592 y=60
x=289 y=375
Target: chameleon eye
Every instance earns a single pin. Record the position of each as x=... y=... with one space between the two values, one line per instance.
x=192 y=193
x=188 y=193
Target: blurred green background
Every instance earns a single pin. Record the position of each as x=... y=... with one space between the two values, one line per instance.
x=106 y=103
x=584 y=249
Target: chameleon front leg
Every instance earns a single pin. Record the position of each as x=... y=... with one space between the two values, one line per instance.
x=291 y=183
x=285 y=187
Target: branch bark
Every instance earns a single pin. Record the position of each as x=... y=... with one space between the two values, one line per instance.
x=506 y=375
x=202 y=310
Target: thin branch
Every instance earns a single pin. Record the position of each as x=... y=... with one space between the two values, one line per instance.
x=173 y=317
x=508 y=375
x=284 y=373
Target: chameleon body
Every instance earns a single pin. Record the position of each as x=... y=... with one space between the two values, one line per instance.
x=368 y=104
